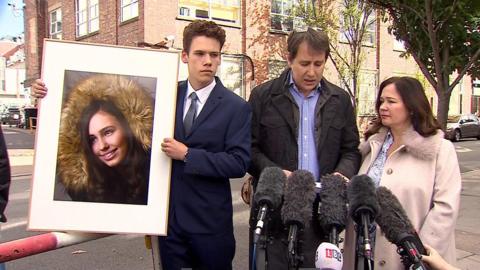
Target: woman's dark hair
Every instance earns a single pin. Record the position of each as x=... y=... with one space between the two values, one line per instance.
x=413 y=96
x=124 y=183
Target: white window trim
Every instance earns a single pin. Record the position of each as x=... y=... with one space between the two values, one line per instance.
x=88 y=17
x=297 y=22
x=58 y=12
x=191 y=13
x=130 y=5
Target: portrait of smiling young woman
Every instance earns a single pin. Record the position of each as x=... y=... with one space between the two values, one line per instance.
x=105 y=141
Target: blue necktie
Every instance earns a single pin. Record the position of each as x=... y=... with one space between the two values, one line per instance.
x=191 y=114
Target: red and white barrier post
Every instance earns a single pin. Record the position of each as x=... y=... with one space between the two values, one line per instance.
x=41 y=243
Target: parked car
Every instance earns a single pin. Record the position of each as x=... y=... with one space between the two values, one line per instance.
x=12 y=117
x=462 y=126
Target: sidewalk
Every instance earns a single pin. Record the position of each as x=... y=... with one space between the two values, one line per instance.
x=467 y=232
x=20 y=157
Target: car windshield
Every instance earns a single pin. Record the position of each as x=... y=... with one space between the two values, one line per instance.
x=453 y=119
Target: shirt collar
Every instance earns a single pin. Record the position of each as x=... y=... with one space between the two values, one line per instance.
x=291 y=84
x=202 y=93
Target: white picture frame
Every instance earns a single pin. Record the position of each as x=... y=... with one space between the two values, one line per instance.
x=47 y=212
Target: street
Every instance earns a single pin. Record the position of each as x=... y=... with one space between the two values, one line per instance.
x=124 y=252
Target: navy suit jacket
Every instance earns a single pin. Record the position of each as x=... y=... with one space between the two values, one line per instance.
x=218 y=149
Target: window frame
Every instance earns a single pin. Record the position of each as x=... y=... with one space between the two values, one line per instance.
x=91 y=6
x=58 y=23
x=368 y=95
x=225 y=74
x=370 y=30
x=190 y=11
x=286 y=17
x=130 y=6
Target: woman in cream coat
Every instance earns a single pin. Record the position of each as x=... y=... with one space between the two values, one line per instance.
x=405 y=151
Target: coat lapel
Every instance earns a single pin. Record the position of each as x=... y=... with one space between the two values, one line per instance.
x=181 y=92
x=283 y=103
x=213 y=101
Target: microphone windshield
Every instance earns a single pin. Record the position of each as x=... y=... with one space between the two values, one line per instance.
x=392 y=218
x=298 y=198
x=328 y=257
x=333 y=207
x=362 y=197
x=270 y=187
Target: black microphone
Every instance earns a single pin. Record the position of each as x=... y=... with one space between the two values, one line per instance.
x=332 y=212
x=268 y=195
x=398 y=229
x=363 y=207
x=297 y=209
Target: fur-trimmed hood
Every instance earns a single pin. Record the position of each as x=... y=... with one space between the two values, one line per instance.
x=135 y=103
x=424 y=148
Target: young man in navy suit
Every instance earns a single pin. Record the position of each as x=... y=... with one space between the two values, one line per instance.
x=211 y=144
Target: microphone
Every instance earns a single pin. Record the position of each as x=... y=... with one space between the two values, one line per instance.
x=333 y=208
x=268 y=195
x=297 y=209
x=363 y=207
x=328 y=257
x=398 y=229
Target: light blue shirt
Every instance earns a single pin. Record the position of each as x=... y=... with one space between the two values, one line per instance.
x=307 y=150
x=376 y=169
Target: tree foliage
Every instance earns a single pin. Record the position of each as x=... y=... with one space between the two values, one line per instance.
x=443 y=36
x=346 y=24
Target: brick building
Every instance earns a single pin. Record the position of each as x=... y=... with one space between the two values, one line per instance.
x=255 y=29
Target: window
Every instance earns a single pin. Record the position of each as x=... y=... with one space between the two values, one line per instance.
x=129 y=9
x=371 y=30
x=224 y=11
x=347 y=31
x=476 y=87
x=275 y=68
x=231 y=74
x=282 y=18
x=87 y=17
x=398 y=45
x=56 y=24
x=367 y=92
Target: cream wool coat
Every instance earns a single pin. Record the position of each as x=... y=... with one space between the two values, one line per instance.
x=425 y=177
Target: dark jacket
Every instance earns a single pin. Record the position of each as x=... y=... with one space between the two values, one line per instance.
x=4 y=177
x=275 y=129
x=274 y=143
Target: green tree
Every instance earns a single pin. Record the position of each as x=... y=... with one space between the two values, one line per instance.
x=346 y=23
x=443 y=36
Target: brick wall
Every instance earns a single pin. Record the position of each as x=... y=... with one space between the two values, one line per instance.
x=35 y=31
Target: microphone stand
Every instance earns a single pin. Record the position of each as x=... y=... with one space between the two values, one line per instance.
x=333 y=236
x=363 y=256
x=294 y=258
x=260 y=253
x=260 y=241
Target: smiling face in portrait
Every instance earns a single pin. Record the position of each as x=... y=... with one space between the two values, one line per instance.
x=107 y=138
x=203 y=59
x=392 y=110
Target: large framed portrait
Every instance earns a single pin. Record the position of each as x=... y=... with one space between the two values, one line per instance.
x=98 y=162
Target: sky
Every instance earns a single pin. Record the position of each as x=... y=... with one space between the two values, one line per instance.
x=11 y=21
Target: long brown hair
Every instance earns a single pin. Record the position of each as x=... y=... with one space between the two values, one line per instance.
x=413 y=96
